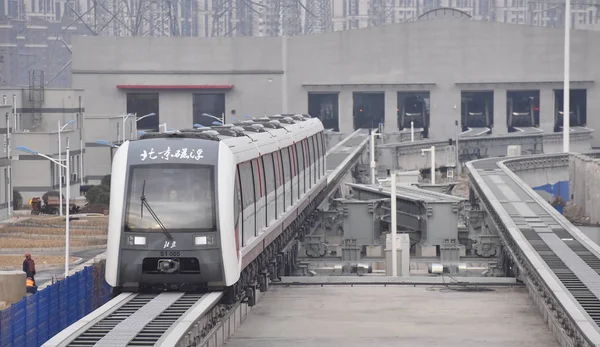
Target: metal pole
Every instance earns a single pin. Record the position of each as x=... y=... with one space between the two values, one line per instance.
x=60 y=190
x=393 y=225
x=566 y=87
x=457 y=152
x=432 y=165
x=412 y=131
x=123 y=135
x=9 y=165
x=372 y=153
x=68 y=222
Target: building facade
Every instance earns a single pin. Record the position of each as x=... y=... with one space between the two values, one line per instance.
x=446 y=71
x=35 y=126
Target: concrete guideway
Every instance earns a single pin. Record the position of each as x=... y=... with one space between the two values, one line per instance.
x=559 y=264
x=393 y=316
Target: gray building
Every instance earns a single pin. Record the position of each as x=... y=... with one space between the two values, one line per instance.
x=434 y=72
x=35 y=126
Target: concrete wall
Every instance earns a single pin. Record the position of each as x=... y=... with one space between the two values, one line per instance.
x=584 y=173
x=271 y=75
x=102 y=128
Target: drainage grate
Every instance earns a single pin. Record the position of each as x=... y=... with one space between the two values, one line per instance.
x=103 y=327
x=157 y=327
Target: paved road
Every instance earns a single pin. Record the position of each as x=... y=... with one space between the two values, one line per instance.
x=44 y=276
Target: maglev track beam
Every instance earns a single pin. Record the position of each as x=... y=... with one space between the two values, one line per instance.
x=139 y=319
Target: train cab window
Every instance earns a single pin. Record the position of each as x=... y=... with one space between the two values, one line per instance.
x=182 y=196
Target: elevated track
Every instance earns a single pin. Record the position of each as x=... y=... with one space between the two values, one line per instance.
x=557 y=262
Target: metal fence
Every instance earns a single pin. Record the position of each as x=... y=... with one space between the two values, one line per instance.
x=38 y=317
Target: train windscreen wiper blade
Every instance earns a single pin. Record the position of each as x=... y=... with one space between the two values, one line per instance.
x=145 y=204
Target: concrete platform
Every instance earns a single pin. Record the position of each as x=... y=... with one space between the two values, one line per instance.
x=389 y=280
x=392 y=316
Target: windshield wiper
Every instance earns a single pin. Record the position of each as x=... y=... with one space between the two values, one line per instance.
x=145 y=203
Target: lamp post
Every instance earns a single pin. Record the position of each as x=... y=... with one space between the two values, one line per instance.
x=432 y=150
x=68 y=222
x=374 y=134
x=393 y=221
x=125 y=117
x=60 y=129
x=566 y=87
x=139 y=119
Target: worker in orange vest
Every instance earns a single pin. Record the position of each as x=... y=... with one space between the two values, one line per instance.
x=31 y=287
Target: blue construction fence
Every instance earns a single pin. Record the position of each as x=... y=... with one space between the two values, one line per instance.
x=38 y=317
x=560 y=192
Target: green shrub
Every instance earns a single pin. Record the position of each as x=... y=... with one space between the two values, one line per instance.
x=98 y=195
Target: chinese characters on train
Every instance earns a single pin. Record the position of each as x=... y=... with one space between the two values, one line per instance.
x=182 y=153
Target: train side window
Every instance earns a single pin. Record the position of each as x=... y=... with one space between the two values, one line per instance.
x=313 y=140
x=311 y=155
x=301 y=166
x=317 y=157
x=287 y=178
x=277 y=164
x=269 y=173
x=248 y=187
x=258 y=179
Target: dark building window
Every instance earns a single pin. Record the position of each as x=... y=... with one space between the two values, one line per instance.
x=143 y=104
x=325 y=107
x=369 y=109
x=210 y=103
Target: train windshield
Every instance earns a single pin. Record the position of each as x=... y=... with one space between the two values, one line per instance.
x=181 y=196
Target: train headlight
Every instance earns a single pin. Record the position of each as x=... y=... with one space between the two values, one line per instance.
x=204 y=240
x=137 y=240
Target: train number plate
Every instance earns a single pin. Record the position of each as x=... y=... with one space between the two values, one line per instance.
x=170 y=253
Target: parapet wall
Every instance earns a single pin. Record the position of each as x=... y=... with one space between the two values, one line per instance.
x=584 y=185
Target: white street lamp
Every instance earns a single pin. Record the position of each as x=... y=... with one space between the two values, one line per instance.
x=139 y=119
x=60 y=129
x=125 y=117
x=68 y=222
x=374 y=134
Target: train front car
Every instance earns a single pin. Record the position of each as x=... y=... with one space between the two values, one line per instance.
x=171 y=225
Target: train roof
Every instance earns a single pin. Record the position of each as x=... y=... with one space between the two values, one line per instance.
x=251 y=138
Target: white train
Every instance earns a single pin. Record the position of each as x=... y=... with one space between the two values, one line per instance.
x=209 y=209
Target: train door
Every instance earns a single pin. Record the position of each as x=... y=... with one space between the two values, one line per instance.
x=287 y=178
x=296 y=180
x=261 y=208
x=249 y=192
x=271 y=194
x=301 y=168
